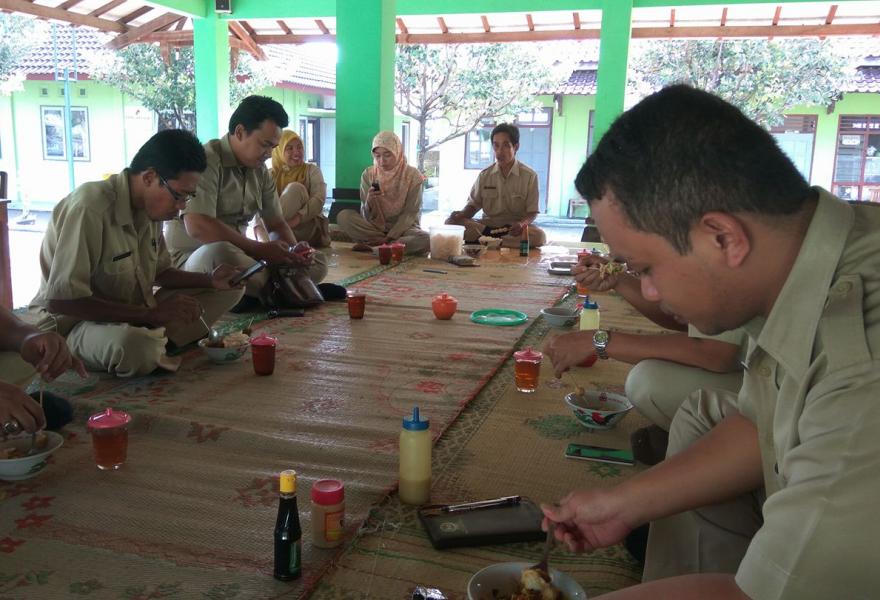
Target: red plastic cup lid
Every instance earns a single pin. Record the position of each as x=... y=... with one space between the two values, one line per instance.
x=264 y=340
x=328 y=491
x=355 y=294
x=528 y=354
x=109 y=419
x=385 y=245
x=398 y=245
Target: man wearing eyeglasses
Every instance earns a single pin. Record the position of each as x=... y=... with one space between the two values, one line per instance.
x=104 y=253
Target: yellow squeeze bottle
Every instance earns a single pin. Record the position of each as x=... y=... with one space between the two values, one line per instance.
x=415 y=460
x=589 y=316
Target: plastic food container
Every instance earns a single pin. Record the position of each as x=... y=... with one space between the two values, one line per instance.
x=446 y=241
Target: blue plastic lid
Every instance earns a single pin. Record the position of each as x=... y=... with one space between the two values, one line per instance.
x=591 y=305
x=414 y=423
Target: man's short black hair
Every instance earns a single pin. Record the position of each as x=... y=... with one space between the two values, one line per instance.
x=683 y=152
x=253 y=110
x=169 y=153
x=512 y=132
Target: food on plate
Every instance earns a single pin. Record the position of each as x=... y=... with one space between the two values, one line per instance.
x=534 y=584
x=40 y=443
x=232 y=340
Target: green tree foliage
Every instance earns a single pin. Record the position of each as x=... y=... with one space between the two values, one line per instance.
x=169 y=88
x=764 y=78
x=463 y=84
x=17 y=40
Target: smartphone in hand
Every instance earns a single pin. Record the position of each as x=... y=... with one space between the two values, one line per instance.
x=600 y=454
x=248 y=273
x=375 y=185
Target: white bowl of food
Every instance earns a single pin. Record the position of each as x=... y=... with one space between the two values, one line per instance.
x=598 y=410
x=229 y=348
x=491 y=243
x=473 y=250
x=15 y=465
x=502 y=581
x=559 y=316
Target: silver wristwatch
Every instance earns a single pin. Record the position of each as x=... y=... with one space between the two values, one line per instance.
x=600 y=343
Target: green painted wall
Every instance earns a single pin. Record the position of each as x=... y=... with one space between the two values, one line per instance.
x=45 y=181
x=297 y=104
x=568 y=150
x=826 y=132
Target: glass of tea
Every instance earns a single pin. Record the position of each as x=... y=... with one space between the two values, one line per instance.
x=397 y=249
x=527 y=369
x=109 y=431
x=357 y=302
x=263 y=354
x=384 y=254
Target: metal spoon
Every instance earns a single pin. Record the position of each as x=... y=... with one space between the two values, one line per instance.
x=548 y=546
x=33 y=449
x=214 y=336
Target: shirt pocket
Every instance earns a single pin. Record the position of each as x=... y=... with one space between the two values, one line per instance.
x=517 y=205
x=118 y=276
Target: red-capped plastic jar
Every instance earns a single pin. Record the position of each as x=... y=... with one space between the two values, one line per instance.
x=109 y=430
x=397 y=249
x=444 y=306
x=328 y=513
x=384 y=254
x=263 y=354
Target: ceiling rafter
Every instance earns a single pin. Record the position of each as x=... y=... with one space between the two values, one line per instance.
x=135 y=14
x=530 y=22
x=135 y=34
x=576 y=19
x=485 y=21
x=284 y=27
x=240 y=29
x=180 y=24
x=832 y=11
x=401 y=26
x=68 y=4
x=324 y=29
x=672 y=17
x=48 y=12
x=106 y=8
x=442 y=23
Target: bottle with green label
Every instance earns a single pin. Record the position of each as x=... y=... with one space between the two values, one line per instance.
x=288 y=533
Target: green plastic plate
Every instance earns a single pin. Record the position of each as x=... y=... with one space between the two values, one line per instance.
x=499 y=316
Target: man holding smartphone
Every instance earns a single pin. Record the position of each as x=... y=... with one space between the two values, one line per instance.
x=236 y=186
x=771 y=493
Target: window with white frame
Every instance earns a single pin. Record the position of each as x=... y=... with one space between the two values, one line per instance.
x=54 y=130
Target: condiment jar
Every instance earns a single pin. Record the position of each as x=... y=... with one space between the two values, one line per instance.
x=589 y=316
x=328 y=513
x=444 y=306
x=109 y=431
x=415 y=460
x=384 y=251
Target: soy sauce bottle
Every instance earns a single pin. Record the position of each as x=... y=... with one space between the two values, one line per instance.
x=524 y=242
x=288 y=533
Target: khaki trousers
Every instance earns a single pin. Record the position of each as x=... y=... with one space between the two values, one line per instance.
x=658 y=387
x=314 y=228
x=14 y=370
x=473 y=229
x=712 y=539
x=359 y=229
x=129 y=350
x=208 y=257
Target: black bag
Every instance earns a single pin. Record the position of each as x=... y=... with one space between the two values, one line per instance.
x=290 y=287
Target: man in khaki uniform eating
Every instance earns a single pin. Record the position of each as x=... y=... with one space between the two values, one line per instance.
x=506 y=192
x=103 y=253
x=772 y=493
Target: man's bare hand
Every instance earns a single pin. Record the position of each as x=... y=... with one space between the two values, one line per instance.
x=587 y=520
x=221 y=275
x=15 y=405
x=48 y=353
x=276 y=252
x=568 y=350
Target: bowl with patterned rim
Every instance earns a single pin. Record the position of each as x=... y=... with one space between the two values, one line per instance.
x=502 y=580
x=598 y=410
x=20 y=466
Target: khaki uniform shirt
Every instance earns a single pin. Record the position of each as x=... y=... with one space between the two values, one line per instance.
x=812 y=386
x=227 y=191
x=98 y=246
x=505 y=200
x=737 y=337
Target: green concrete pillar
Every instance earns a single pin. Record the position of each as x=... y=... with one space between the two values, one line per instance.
x=211 y=52
x=365 y=36
x=613 y=56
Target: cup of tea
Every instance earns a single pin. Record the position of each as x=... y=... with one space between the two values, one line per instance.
x=384 y=254
x=263 y=354
x=527 y=369
x=357 y=302
x=109 y=430
x=397 y=249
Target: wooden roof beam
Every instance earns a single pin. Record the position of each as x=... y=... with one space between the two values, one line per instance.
x=485 y=21
x=530 y=22
x=284 y=27
x=442 y=23
x=576 y=18
x=68 y=3
x=832 y=11
x=776 y=16
x=134 y=35
x=672 y=17
x=106 y=8
x=135 y=14
x=247 y=39
x=322 y=26
x=401 y=26
x=48 y=12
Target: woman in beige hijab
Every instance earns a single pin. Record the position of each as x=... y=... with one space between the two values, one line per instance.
x=391 y=196
x=302 y=191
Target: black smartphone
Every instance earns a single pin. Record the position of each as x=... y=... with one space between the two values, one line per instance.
x=600 y=454
x=375 y=185
x=249 y=272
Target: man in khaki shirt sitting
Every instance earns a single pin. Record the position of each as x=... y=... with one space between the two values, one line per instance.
x=103 y=252
x=771 y=493
x=236 y=185
x=506 y=192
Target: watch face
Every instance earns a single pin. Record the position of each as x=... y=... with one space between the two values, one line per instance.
x=600 y=337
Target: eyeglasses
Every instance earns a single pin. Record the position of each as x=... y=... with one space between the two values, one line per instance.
x=178 y=197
